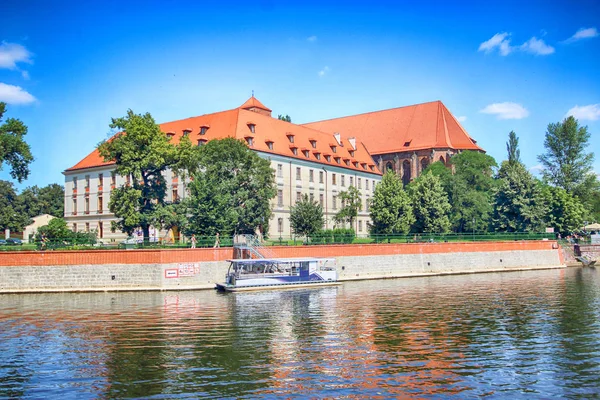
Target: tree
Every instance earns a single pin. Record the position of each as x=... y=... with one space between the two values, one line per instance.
x=231 y=190
x=565 y=213
x=10 y=215
x=566 y=162
x=391 y=210
x=351 y=204
x=58 y=234
x=430 y=204
x=306 y=217
x=518 y=202
x=34 y=201
x=285 y=118
x=512 y=148
x=143 y=152
x=14 y=151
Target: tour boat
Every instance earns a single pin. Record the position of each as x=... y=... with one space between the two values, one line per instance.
x=279 y=273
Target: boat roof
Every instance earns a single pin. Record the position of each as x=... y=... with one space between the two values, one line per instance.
x=275 y=260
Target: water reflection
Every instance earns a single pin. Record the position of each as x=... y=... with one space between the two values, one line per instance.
x=513 y=334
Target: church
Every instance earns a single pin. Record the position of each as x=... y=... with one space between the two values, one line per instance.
x=320 y=159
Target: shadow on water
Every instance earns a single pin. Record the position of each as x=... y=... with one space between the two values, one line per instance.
x=514 y=334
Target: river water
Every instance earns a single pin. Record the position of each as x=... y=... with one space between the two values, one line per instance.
x=514 y=335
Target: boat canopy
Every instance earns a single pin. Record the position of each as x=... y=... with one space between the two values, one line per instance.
x=274 y=260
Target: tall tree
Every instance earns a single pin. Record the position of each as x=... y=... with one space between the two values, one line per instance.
x=351 y=204
x=567 y=162
x=231 y=190
x=141 y=150
x=512 y=148
x=10 y=215
x=285 y=118
x=306 y=217
x=518 y=202
x=565 y=213
x=430 y=204
x=391 y=210
x=14 y=151
x=34 y=201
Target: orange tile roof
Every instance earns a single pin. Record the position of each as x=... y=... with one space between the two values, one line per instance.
x=253 y=102
x=235 y=123
x=416 y=127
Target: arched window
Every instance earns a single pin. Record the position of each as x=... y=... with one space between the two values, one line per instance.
x=442 y=160
x=389 y=167
x=424 y=163
x=406 y=172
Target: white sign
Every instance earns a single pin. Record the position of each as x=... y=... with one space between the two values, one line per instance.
x=171 y=273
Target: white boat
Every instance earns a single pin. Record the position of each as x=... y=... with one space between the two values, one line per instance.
x=279 y=273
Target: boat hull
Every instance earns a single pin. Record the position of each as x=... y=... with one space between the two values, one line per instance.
x=276 y=286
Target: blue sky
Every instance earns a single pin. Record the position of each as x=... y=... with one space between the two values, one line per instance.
x=66 y=68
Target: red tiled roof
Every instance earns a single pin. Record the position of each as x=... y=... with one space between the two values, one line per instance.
x=421 y=126
x=234 y=123
x=253 y=102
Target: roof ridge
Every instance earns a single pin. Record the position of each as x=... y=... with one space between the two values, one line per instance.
x=448 y=141
x=372 y=112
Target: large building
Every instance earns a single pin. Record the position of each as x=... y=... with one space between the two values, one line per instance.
x=305 y=161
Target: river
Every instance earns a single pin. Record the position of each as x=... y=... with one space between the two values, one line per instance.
x=514 y=335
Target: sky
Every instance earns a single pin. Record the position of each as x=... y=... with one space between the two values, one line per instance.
x=67 y=68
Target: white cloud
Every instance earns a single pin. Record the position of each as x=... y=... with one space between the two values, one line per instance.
x=324 y=71
x=14 y=94
x=25 y=75
x=582 y=33
x=312 y=38
x=590 y=112
x=506 y=110
x=462 y=118
x=13 y=53
x=537 y=46
x=500 y=41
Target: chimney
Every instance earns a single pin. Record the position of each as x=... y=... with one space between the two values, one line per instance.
x=352 y=141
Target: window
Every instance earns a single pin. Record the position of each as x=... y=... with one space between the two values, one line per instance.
x=312 y=197
x=74 y=206
x=100 y=180
x=186 y=132
x=298 y=173
x=295 y=151
x=337 y=159
x=113 y=179
x=373 y=186
x=359 y=183
x=351 y=181
x=101 y=229
x=170 y=135
x=75 y=183
x=201 y=142
x=318 y=156
x=333 y=179
x=360 y=226
x=334 y=202
x=87 y=181
x=367 y=184
x=270 y=145
x=313 y=143
x=320 y=176
x=280 y=198
x=252 y=128
x=328 y=158
x=367 y=203
x=334 y=149
x=203 y=130
x=250 y=141
x=87 y=205
x=343 y=180
x=351 y=152
x=74 y=227
x=321 y=199
x=175 y=195
x=100 y=205
x=311 y=175
x=290 y=137
x=298 y=196
x=87 y=226
x=306 y=153
x=280 y=170
x=280 y=225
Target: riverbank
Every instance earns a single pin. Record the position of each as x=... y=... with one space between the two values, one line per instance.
x=192 y=269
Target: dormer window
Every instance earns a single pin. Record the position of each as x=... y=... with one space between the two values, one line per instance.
x=351 y=153
x=269 y=144
x=290 y=136
x=249 y=140
x=372 y=167
x=306 y=153
x=355 y=164
x=406 y=144
x=346 y=161
x=318 y=156
x=364 y=165
x=252 y=127
x=295 y=151
x=337 y=159
x=328 y=158
x=201 y=142
x=170 y=135
x=186 y=131
x=203 y=129
x=333 y=147
x=313 y=143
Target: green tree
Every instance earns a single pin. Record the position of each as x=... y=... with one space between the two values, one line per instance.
x=518 y=202
x=565 y=213
x=231 y=190
x=58 y=234
x=34 y=201
x=306 y=217
x=566 y=162
x=14 y=151
x=10 y=215
x=285 y=118
x=430 y=204
x=351 y=204
x=512 y=148
x=141 y=150
x=391 y=210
